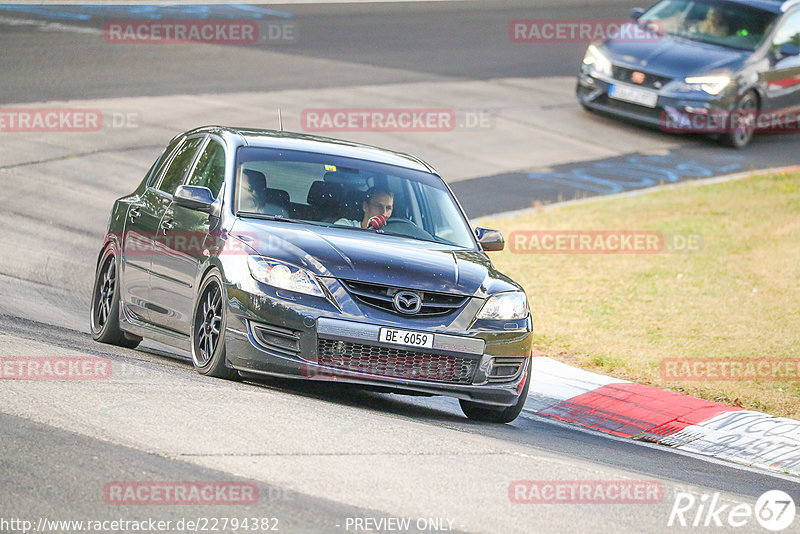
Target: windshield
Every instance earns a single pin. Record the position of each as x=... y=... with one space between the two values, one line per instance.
x=721 y=23
x=343 y=192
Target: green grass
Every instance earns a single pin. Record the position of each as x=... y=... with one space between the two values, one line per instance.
x=738 y=297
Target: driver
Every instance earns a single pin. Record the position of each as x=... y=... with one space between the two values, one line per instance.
x=377 y=206
x=714 y=23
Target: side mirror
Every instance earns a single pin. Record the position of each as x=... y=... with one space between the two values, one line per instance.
x=194 y=197
x=788 y=49
x=637 y=12
x=490 y=240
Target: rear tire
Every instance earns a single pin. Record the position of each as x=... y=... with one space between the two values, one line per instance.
x=104 y=315
x=743 y=123
x=208 y=330
x=493 y=414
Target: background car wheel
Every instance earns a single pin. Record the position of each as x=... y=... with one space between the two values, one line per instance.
x=208 y=330
x=743 y=124
x=104 y=317
x=492 y=414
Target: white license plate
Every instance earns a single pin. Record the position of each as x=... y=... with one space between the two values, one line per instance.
x=635 y=95
x=405 y=337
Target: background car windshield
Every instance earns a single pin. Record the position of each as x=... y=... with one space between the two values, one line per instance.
x=332 y=191
x=722 y=23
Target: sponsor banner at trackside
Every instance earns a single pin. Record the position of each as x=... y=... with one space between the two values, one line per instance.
x=585 y=492
x=582 y=31
x=602 y=242
x=54 y=368
x=180 y=493
x=21 y=120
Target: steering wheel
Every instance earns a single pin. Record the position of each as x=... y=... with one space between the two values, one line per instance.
x=405 y=227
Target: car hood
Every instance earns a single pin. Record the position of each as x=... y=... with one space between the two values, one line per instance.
x=674 y=57
x=364 y=256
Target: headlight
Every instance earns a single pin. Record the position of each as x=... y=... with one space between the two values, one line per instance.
x=594 y=57
x=710 y=84
x=283 y=276
x=505 y=307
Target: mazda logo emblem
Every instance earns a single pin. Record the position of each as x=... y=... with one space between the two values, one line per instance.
x=407 y=302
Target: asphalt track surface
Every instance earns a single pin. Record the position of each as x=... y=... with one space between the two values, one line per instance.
x=319 y=455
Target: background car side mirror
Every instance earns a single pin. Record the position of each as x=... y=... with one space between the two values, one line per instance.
x=194 y=197
x=788 y=49
x=637 y=12
x=490 y=240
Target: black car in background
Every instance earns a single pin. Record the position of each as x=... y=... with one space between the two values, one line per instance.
x=271 y=253
x=725 y=67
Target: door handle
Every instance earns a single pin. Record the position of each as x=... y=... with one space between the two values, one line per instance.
x=167 y=225
x=134 y=214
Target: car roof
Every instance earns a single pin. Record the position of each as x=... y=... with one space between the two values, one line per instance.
x=773 y=6
x=317 y=144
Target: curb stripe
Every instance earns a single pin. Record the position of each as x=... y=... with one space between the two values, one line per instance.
x=645 y=413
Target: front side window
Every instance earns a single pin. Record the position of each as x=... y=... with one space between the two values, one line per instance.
x=346 y=193
x=210 y=168
x=722 y=23
x=788 y=33
x=179 y=166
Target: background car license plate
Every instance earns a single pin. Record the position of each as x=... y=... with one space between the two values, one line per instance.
x=404 y=337
x=643 y=97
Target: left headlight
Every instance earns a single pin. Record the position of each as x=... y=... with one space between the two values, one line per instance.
x=596 y=59
x=283 y=276
x=505 y=307
x=710 y=84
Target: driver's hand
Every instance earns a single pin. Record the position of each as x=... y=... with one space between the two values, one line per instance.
x=377 y=222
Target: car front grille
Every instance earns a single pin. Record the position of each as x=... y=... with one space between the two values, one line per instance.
x=395 y=363
x=380 y=296
x=651 y=81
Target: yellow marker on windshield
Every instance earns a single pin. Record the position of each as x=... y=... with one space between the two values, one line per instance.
x=330 y=168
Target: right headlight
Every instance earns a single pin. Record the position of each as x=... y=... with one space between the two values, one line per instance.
x=505 y=307
x=283 y=276
x=597 y=60
x=712 y=85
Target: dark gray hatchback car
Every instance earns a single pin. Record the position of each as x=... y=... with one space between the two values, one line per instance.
x=723 y=67
x=271 y=253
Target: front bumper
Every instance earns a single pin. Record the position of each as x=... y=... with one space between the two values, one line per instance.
x=266 y=336
x=673 y=112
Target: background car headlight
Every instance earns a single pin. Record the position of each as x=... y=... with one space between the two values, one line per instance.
x=283 y=276
x=505 y=307
x=710 y=84
x=597 y=60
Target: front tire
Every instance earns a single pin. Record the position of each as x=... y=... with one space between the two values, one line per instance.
x=492 y=414
x=743 y=124
x=208 y=330
x=104 y=316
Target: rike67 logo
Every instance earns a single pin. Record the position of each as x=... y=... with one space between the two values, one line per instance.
x=774 y=510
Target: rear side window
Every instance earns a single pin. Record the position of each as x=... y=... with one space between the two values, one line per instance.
x=176 y=172
x=158 y=167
